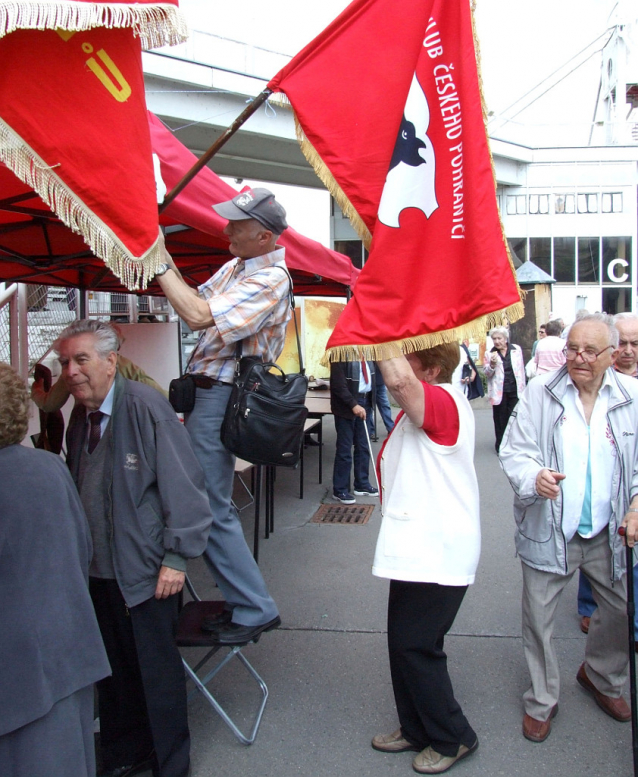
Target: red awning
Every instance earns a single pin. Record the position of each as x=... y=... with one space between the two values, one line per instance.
x=35 y=247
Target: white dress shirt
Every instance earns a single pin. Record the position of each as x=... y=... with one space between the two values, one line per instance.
x=579 y=443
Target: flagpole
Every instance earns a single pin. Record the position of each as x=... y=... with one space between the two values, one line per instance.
x=225 y=136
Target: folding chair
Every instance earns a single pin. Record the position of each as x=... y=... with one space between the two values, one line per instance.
x=190 y=634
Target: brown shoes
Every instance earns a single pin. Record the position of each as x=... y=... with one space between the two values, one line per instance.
x=618 y=708
x=584 y=624
x=428 y=761
x=538 y=730
x=392 y=743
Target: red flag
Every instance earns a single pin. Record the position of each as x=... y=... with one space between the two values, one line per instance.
x=73 y=122
x=388 y=101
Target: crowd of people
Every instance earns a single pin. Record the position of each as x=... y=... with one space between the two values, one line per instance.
x=141 y=493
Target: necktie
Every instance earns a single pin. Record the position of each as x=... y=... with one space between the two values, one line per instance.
x=364 y=370
x=95 y=432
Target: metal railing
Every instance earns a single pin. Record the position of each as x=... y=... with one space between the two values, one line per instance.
x=7 y=313
x=32 y=316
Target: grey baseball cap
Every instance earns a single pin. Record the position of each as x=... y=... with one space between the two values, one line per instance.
x=259 y=204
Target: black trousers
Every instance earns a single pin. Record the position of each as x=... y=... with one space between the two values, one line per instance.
x=143 y=704
x=419 y=617
x=502 y=413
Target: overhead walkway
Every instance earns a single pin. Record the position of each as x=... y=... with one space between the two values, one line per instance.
x=200 y=87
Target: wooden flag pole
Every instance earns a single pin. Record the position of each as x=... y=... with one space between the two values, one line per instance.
x=225 y=136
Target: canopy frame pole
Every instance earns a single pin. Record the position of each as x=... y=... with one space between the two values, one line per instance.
x=221 y=140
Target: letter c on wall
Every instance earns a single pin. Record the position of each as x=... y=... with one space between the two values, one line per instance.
x=611 y=270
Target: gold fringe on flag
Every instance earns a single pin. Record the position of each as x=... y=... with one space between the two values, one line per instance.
x=156 y=25
x=324 y=174
x=134 y=272
x=475 y=329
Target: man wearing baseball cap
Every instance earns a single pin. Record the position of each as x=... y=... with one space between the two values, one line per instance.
x=246 y=300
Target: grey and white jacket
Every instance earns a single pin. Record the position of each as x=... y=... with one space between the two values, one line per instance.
x=533 y=440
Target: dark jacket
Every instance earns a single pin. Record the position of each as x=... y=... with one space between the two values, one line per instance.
x=153 y=488
x=344 y=387
x=50 y=642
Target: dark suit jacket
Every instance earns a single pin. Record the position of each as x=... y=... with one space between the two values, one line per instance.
x=344 y=387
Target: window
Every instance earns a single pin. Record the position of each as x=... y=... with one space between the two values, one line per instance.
x=588 y=203
x=540 y=252
x=353 y=249
x=515 y=204
x=611 y=202
x=518 y=248
x=564 y=203
x=539 y=203
x=588 y=260
x=565 y=259
x=617 y=300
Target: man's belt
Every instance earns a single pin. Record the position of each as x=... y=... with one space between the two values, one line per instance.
x=204 y=382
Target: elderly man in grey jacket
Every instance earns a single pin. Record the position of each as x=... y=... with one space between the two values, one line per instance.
x=145 y=499
x=570 y=452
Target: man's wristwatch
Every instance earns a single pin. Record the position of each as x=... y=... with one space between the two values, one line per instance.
x=162 y=269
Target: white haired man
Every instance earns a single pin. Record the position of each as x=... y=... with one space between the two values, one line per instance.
x=145 y=499
x=570 y=452
x=626 y=362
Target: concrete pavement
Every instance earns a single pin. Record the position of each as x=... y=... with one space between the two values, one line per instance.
x=327 y=667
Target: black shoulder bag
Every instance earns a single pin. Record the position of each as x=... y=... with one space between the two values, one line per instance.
x=181 y=391
x=266 y=411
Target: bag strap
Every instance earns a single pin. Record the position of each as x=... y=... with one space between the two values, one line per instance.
x=470 y=360
x=291 y=298
x=195 y=347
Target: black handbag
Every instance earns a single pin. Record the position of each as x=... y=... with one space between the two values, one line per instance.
x=181 y=393
x=182 y=390
x=266 y=411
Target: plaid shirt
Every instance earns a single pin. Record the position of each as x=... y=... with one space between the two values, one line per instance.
x=248 y=301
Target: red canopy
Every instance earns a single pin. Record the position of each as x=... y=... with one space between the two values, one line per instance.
x=35 y=247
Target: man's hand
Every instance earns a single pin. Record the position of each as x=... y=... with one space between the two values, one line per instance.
x=170 y=581
x=360 y=412
x=547 y=482
x=630 y=522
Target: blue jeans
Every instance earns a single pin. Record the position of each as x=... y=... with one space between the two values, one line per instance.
x=227 y=554
x=587 y=604
x=351 y=432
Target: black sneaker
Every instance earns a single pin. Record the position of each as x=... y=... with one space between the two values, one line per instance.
x=344 y=497
x=367 y=491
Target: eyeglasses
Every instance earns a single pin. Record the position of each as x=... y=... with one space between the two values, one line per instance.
x=588 y=355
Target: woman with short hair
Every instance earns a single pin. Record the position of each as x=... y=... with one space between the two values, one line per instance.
x=50 y=642
x=505 y=372
x=429 y=548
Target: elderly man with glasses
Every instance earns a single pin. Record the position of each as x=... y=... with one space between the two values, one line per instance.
x=571 y=454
